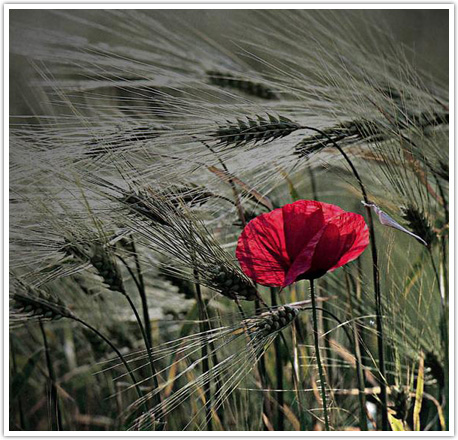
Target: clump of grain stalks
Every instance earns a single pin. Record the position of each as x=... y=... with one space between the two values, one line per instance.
x=141 y=145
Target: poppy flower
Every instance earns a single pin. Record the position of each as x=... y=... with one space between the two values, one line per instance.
x=301 y=240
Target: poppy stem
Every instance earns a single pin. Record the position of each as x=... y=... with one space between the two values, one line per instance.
x=376 y=278
x=278 y=372
x=318 y=357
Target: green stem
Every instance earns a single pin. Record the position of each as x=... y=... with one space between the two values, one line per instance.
x=376 y=279
x=142 y=292
x=22 y=424
x=444 y=335
x=146 y=339
x=56 y=419
x=359 y=370
x=266 y=408
x=157 y=397
x=204 y=327
x=278 y=372
x=318 y=357
x=118 y=353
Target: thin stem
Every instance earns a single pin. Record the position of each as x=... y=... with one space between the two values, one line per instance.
x=444 y=333
x=376 y=280
x=56 y=419
x=443 y=271
x=204 y=327
x=359 y=370
x=278 y=372
x=157 y=397
x=118 y=353
x=266 y=407
x=318 y=357
x=22 y=424
x=142 y=292
x=323 y=285
x=147 y=340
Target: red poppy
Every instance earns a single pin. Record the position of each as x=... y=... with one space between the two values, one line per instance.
x=302 y=240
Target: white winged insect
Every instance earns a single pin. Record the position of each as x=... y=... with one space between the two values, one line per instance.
x=386 y=220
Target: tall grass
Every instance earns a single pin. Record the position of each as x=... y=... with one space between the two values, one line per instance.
x=139 y=150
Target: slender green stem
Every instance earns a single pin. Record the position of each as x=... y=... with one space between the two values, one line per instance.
x=204 y=327
x=238 y=203
x=118 y=353
x=142 y=292
x=147 y=340
x=444 y=334
x=313 y=184
x=376 y=280
x=145 y=337
x=56 y=418
x=359 y=370
x=443 y=268
x=266 y=407
x=22 y=423
x=278 y=373
x=318 y=357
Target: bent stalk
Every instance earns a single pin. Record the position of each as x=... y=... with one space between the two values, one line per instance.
x=318 y=357
x=376 y=280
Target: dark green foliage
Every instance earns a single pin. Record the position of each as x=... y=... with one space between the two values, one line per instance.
x=442 y=170
x=434 y=368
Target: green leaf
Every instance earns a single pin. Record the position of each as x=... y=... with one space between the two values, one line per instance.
x=396 y=424
x=419 y=393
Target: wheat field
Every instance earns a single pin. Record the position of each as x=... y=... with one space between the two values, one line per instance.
x=228 y=221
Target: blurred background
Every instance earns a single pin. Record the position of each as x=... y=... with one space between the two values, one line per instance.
x=424 y=31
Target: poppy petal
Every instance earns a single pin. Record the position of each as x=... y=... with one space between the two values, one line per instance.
x=356 y=236
x=327 y=251
x=301 y=240
x=303 y=261
x=261 y=249
x=302 y=220
x=330 y=211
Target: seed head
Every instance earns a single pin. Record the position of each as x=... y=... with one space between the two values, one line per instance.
x=419 y=224
x=37 y=303
x=259 y=130
x=227 y=80
x=276 y=320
